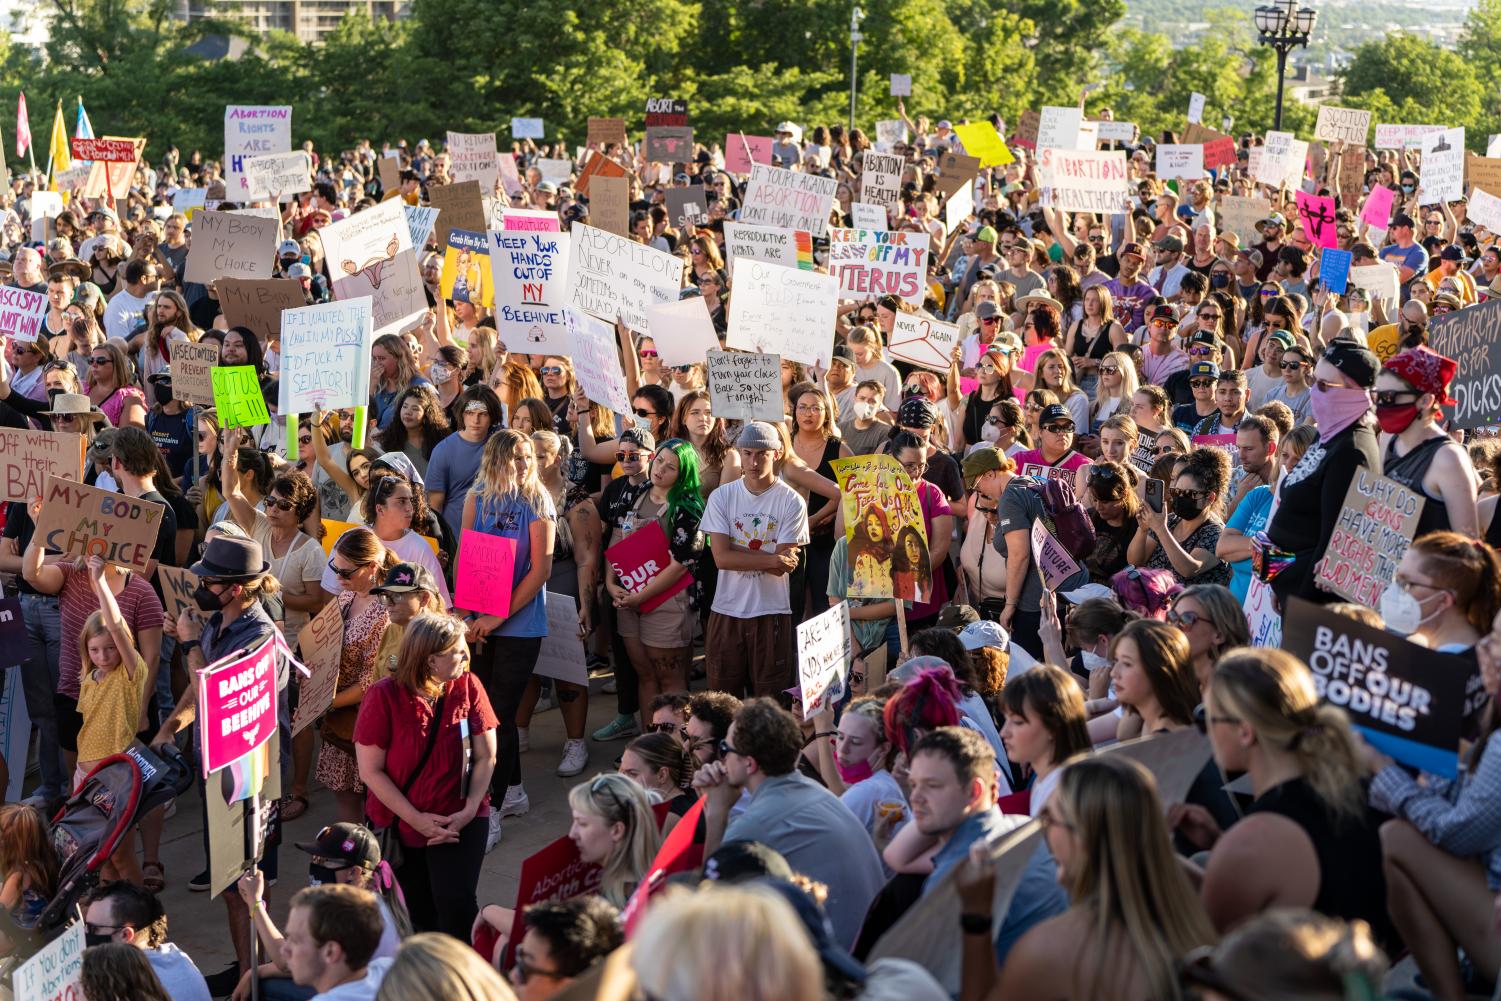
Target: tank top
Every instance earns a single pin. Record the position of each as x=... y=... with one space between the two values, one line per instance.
x=1409 y=471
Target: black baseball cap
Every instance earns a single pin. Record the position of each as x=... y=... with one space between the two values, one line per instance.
x=350 y=843
x=739 y=861
x=406 y=577
x=1054 y=412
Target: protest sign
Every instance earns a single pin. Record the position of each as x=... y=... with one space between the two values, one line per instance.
x=554 y=873
x=278 y=175
x=1443 y=168
x=524 y=128
x=557 y=170
x=1084 y=181
x=388 y=168
x=1117 y=132
x=1179 y=160
x=1282 y=160
x=232 y=839
x=981 y=141
x=1027 y=125
x=901 y=85
x=80 y=520
x=787 y=199
x=55 y=973
x=603 y=131
x=15 y=721
x=192 y=369
x=420 y=222
x=666 y=111
x=321 y=646
x=609 y=205
x=774 y=245
x=668 y=144
x=460 y=205
x=1058 y=128
x=687 y=207
x=880 y=178
x=236 y=705
x=21 y=313
x=867 y=216
x=955 y=170
x=1053 y=561
x=252 y=130
x=682 y=330
x=640 y=558
x=1377 y=211
x=1472 y=337
x=1239 y=215
x=1347 y=125
x=370 y=254
x=1403 y=136
x=28 y=458
x=1407 y=701
x=1380 y=282
x=1485 y=209
x=1375 y=527
x=873 y=263
x=824 y=655
x=741 y=151
x=231 y=245
x=1175 y=760
x=332 y=530
x=466 y=269
x=238 y=397
x=1316 y=212
x=1195 y=107
x=1352 y=176
x=597 y=166
x=325 y=356
x=104 y=150
x=1493 y=145
x=784 y=311
x=890 y=133
x=610 y=276
x=1483 y=172
x=958 y=207
x=529 y=220
x=745 y=386
x=888 y=542
x=178 y=586
x=189 y=201
x=1220 y=150
x=256 y=303
x=923 y=340
x=474 y=158
x=482 y=576
x=529 y=269
x=1334 y=269
x=596 y=363
x=562 y=656
x=106 y=177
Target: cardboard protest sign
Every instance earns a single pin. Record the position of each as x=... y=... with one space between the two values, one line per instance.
x=466 y=269
x=1053 y=562
x=1239 y=215
x=597 y=166
x=1347 y=125
x=668 y=144
x=232 y=839
x=596 y=360
x=1377 y=211
x=1443 y=168
x=603 y=131
x=745 y=386
x=790 y=200
x=880 y=178
x=1485 y=209
x=475 y=158
x=687 y=207
x=1175 y=760
x=370 y=254
x=177 y=586
x=256 y=303
x=789 y=248
x=483 y=575
x=640 y=558
x=192 y=370
x=252 y=130
x=873 y=263
x=236 y=705
x=1316 y=212
x=460 y=205
x=28 y=458
x=784 y=311
x=321 y=646
x=682 y=330
x=867 y=216
x=1334 y=269
x=1407 y=701
x=1375 y=527
x=888 y=541
x=1027 y=125
x=325 y=356
x=611 y=276
x=1483 y=172
x=1179 y=160
x=901 y=85
x=1084 y=181
x=529 y=271
x=279 y=175
x=55 y=973
x=1403 y=136
x=1472 y=337
x=231 y=245
x=1352 y=176
x=21 y=313
x=80 y=520
x=609 y=204
x=562 y=655
x=824 y=656
x=525 y=128
x=983 y=142
x=741 y=151
x=923 y=340
x=955 y=171
x=958 y=207
x=388 y=168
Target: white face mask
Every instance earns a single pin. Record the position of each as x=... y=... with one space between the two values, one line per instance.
x=1092 y=660
x=1402 y=612
x=864 y=411
x=991 y=432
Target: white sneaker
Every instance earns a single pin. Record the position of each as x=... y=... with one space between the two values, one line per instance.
x=575 y=757
x=493 y=837
x=515 y=804
x=523 y=738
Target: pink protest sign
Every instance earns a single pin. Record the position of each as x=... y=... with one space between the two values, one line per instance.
x=741 y=150
x=1317 y=215
x=237 y=705
x=1219 y=153
x=640 y=557
x=1053 y=561
x=1223 y=442
x=483 y=577
x=530 y=220
x=1378 y=207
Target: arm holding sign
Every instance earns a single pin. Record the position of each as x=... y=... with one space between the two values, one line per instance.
x=1468 y=826
x=240 y=508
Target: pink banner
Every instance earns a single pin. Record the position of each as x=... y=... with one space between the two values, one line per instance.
x=1378 y=207
x=1317 y=215
x=638 y=558
x=483 y=578
x=237 y=705
x=1220 y=153
x=740 y=150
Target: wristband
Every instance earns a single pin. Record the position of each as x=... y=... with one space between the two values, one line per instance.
x=188 y=646
x=974 y=924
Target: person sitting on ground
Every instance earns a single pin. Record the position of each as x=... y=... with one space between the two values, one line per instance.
x=563 y=939
x=123 y=912
x=332 y=934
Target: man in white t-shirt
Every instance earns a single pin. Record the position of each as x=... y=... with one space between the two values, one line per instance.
x=127 y=308
x=332 y=933
x=755 y=526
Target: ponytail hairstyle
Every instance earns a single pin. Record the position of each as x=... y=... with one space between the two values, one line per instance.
x=1272 y=691
x=1293 y=953
x=926 y=702
x=663 y=750
x=1051 y=696
x=361 y=545
x=1468 y=568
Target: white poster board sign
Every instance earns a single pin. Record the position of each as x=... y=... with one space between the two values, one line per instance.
x=784 y=311
x=325 y=356
x=596 y=360
x=790 y=200
x=824 y=655
x=611 y=276
x=529 y=269
x=370 y=254
x=745 y=386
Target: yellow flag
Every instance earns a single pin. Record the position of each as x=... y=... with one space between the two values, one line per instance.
x=58 y=146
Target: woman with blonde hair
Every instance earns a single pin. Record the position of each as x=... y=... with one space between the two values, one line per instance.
x=865 y=349
x=1117 y=384
x=393 y=369
x=484 y=355
x=1055 y=373
x=1094 y=335
x=614 y=828
x=112 y=386
x=433 y=967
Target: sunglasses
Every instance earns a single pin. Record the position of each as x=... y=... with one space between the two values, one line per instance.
x=1267 y=293
x=725 y=750
x=1289 y=366
x=1200 y=352
x=1162 y=324
x=1058 y=428
x=1209 y=316
x=1388 y=397
x=648 y=353
x=1201 y=383
x=623 y=457
x=1187 y=619
x=682 y=369
x=667 y=728
x=280 y=503
x=1109 y=369
x=550 y=370
x=101 y=361
x=343 y=574
x=643 y=413
x=1195 y=494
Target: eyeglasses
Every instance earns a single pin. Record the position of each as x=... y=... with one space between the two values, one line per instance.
x=1201 y=383
x=1289 y=366
x=1433 y=222
x=995 y=421
x=1058 y=428
x=639 y=412
x=102 y=361
x=813 y=409
x=525 y=971
x=280 y=503
x=1109 y=369
x=914 y=468
x=1047 y=821
x=550 y=370
x=624 y=457
x=1202 y=719
x=1187 y=619
x=343 y=574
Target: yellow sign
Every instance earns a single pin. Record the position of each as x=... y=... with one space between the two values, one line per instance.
x=982 y=140
x=333 y=529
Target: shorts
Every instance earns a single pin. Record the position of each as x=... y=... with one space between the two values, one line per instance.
x=750 y=656
x=669 y=626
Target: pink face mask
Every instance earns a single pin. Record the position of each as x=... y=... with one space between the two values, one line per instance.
x=854 y=772
x=1336 y=409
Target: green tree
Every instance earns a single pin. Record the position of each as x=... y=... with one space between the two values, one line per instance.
x=1422 y=81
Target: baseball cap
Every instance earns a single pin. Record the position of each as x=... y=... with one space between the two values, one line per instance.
x=835 y=958
x=1162 y=312
x=1054 y=412
x=1454 y=252
x=738 y=861
x=987 y=234
x=1275 y=219
x=351 y=843
x=984 y=633
x=1133 y=249
x=299 y=270
x=981 y=461
x=1282 y=337
x=404 y=578
x=915 y=412
x=641 y=439
x=1203 y=370
x=956 y=617
x=759 y=434
x=986 y=310
x=289 y=248
x=1205 y=337
x=1170 y=243
x=1251 y=257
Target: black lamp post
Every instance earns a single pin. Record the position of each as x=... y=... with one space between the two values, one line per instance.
x=1284 y=29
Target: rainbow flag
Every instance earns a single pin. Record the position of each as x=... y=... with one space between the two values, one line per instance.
x=248 y=774
x=804 y=250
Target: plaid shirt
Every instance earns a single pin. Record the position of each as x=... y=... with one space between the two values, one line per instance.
x=1463 y=816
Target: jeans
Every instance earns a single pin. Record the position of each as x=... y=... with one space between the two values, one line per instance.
x=504 y=666
x=39 y=677
x=165 y=703
x=439 y=881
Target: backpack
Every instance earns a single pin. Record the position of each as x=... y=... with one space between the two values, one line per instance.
x=1146 y=592
x=1068 y=521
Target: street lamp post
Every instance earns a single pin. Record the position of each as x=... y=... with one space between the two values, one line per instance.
x=1284 y=29
x=856 y=16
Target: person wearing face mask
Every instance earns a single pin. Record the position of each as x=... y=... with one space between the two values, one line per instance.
x=1183 y=538
x=1446 y=591
x=1313 y=490
x=123 y=912
x=1419 y=454
x=853 y=764
x=170 y=422
x=865 y=431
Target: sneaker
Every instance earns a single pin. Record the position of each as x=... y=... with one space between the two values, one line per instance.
x=515 y=804
x=619 y=728
x=523 y=738
x=39 y=800
x=609 y=687
x=171 y=810
x=575 y=757
x=492 y=838
x=202 y=883
x=223 y=983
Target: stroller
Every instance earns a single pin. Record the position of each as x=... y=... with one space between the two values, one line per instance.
x=87 y=831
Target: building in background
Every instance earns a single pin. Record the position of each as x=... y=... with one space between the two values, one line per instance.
x=309 y=20
x=26 y=23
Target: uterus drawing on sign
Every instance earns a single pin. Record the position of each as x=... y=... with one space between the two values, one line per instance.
x=373 y=268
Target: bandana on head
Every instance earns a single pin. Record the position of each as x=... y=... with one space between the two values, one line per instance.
x=1425 y=370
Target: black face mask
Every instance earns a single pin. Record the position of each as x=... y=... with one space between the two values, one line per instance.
x=163 y=392
x=1219 y=281
x=206 y=599
x=321 y=875
x=1187 y=508
x=91 y=938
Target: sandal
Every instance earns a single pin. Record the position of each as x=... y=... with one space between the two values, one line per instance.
x=293 y=807
x=154 y=877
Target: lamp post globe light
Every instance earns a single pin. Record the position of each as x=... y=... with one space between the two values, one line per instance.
x=1284 y=28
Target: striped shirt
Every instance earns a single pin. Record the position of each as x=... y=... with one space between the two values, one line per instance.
x=139 y=607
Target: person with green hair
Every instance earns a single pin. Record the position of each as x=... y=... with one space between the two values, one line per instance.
x=658 y=633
